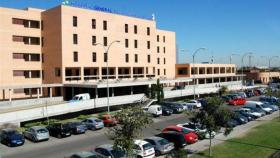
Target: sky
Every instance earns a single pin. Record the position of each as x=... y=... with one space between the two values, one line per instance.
x=223 y=27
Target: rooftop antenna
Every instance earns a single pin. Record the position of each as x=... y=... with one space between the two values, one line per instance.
x=153 y=17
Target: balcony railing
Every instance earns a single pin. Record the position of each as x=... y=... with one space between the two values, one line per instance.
x=72 y=78
x=109 y=76
x=138 y=76
x=91 y=77
x=124 y=76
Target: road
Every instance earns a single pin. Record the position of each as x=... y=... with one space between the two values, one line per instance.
x=59 y=148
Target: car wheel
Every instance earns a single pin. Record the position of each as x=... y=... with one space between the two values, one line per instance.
x=138 y=156
x=33 y=139
x=157 y=153
x=9 y=144
x=59 y=136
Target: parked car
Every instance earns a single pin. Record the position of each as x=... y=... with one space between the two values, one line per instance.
x=108 y=151
x=242 y=94
x=202 y=101
x=86 y=154
x=59 y=130
x=177 y=108
x=253 y=111
x=161 y=145
x=232 y=96
x=231 y=123
x=194 y=103
x=199 y=129
x=155 y=110
x=166 y=111
x=177 y=138
x=271 y=100
x=190 y=136
x=93 y=123
x=109 y=120
x=240 y=118
x=144 y=149
x=259 y=105
x=77 y=127
x=249 y=116
x=225 y=98
x=11 y=137
x=37 y=133
x=237 y=101
x=272 y=106
x=80 y=97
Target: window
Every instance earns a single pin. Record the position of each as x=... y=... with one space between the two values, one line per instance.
x=75 y=56
x=148 y=44
x=164 y=71
x=126 y=58
x=135 y=44
x=163 y=39
x=93 y=23
x=93 y=40
x=57 y=72
x=135 y=29
x=75 y=21
x=136 y=58
x=149 y=58
x=158 y=49
x=75 y=39
x=163 y=49
x=158 y=60
x=105 y=57
x=158 y=71
x=163 y=60
x=104 y=25
x=158 y=38
x=105 y=42
x=148 y=31
x=93 y=56
x=126 y=28
x=126 y=43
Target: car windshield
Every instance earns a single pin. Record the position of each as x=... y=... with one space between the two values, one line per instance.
x=185 y=131
x=42 y=130
x=98 y=120
x=12 y=132
x=163 y=142
x=75 y=98
x=265 y=105
x=118 y=153
x=147 y=146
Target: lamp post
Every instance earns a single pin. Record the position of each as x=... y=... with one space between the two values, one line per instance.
x=231 y=56
x=193 y=57
x=242 y=69
x=106 y=51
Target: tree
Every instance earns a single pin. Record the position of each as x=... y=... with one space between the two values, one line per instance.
x=157 y=91
x=213 y=116
x=131 y=122
x=223 y=90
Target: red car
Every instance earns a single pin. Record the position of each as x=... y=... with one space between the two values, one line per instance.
x=109 y=120
x=190 y=136
x=237 y=101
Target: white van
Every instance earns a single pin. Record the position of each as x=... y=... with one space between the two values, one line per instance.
x=81 y=97
x=259 y=105
x=155 y=110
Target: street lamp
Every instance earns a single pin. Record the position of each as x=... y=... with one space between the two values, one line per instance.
x=106 y=50
x=231 y=56
x=193 y=57
x=242 y=69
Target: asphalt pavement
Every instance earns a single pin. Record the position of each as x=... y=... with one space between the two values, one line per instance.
x=60 y=148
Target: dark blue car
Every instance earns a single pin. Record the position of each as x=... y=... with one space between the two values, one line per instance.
x=11 y=138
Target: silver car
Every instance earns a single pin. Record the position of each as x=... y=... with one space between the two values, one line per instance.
x=161 y=145
x=37 y=133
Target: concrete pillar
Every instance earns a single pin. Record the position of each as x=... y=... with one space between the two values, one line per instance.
x=30 y=92
x=96 y=93
x=82 y=73
x=117 y=72
x=113 y=92
x=205 y=81
x=150 y=93
x=50 y=92
x=10 y=95
x=131 y=90
x=38 y=93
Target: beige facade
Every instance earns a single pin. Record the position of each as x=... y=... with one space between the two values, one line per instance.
x=57 y=46
x=263 y=77
x=208 y=73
